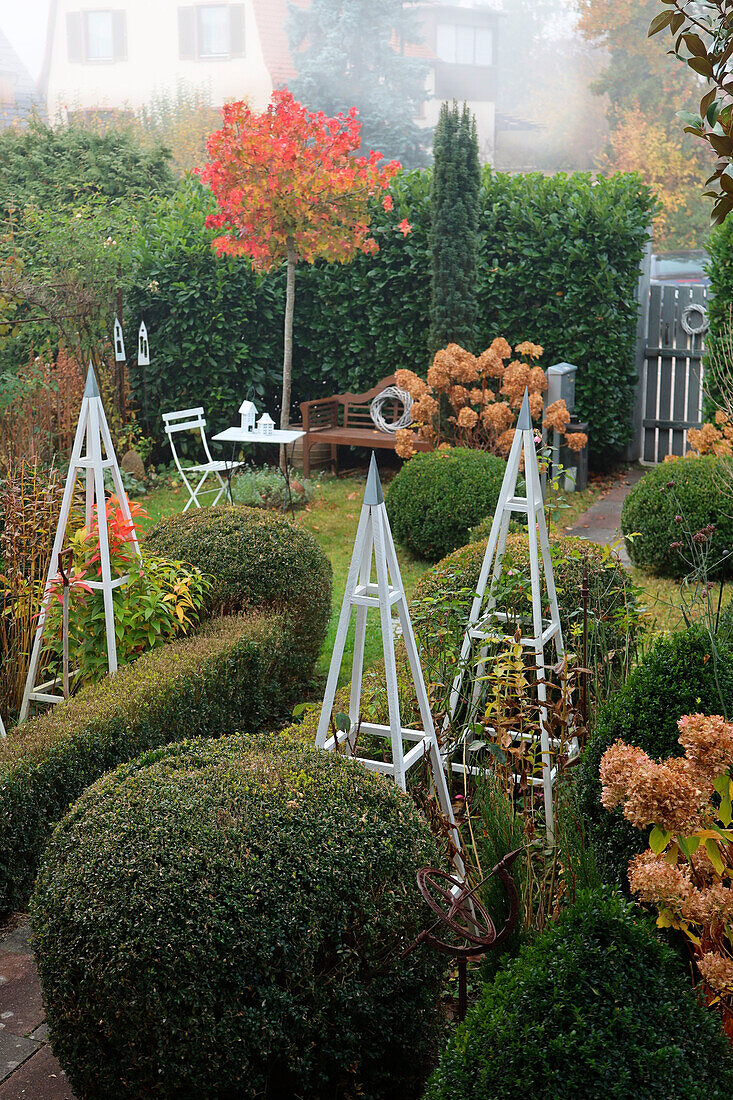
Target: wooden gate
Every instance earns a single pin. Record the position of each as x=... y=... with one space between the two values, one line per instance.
x=672 y=389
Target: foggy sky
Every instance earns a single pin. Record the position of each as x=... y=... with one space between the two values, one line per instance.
x=24 y=23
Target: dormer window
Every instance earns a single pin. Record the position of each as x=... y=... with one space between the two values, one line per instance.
x=96 y=36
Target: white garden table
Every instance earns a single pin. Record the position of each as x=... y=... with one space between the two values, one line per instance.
x=277 y=436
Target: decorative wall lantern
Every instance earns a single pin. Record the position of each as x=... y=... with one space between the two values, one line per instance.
x=247 y=413
x=265 y=425
x=143 y=347
x=119 y=342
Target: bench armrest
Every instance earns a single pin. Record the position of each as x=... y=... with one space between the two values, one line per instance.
x=321 y=413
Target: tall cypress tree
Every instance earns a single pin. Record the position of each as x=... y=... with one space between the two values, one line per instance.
x=454 y=228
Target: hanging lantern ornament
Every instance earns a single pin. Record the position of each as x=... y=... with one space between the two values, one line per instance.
x=119 y=342
x=143 y=348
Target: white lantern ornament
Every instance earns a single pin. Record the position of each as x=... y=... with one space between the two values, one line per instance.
x=119 y=342
x=143 y=347
x=247 y=413
x=265 y=425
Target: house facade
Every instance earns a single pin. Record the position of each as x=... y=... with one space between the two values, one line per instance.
x=119 y=56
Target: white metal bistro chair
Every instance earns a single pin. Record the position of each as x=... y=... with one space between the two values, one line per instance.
x=185 y=421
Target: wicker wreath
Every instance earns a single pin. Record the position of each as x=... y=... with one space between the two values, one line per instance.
x=375 y=409
x=695 y=319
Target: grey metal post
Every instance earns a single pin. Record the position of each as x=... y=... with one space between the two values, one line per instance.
x=633 y=450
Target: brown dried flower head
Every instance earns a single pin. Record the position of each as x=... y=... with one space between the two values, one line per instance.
x=536 y=405
x=410 y=382
x=463 y=365
x=654 y=880
x=667 y=795
x=501 y=347
x=575 y=441
x=707 y=741
x=537 y=380
x=618 y=764
x=532 y=351
x=557 y=416
x=717 y=970
x=477 y=396
x=404 y=443
x=439 y=373
x=490 y=365
x=498 y=417
x=467 y=418
x=458 y=397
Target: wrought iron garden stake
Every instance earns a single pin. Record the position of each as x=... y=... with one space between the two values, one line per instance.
x=374 y=542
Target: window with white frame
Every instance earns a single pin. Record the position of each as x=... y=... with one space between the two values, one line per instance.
x=99 y=35
x=210 y=32
x=461 y=44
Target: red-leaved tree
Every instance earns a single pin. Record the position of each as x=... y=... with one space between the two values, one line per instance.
x=290 y=187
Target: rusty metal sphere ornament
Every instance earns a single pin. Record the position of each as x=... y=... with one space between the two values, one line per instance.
x=457 y=907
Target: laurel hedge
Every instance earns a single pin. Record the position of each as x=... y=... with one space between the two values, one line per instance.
x=558 y=263
x=227 y=920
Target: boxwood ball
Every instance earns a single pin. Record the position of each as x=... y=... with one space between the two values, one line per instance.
x=225 y=920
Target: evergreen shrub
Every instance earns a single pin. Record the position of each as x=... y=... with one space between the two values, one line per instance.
x=238 y=672
x=226 y=920
x=596 y=1006
x=256 y=559
x=559 y=253
x=611 y=600
x=439 y=495
x=682 y=673
x=694 y=489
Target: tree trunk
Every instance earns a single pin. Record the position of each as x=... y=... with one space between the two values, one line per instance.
x=288 y=342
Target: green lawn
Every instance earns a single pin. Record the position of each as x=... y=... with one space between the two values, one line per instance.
x=332 y=517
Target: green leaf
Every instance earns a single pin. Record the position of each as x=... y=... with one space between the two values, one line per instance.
x=659 y=22
x=658 y=839
x=342 y=722
x=695 y=45
x=714 y=856
x=701 y=65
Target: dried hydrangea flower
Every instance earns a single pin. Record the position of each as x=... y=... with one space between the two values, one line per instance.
x=654 y=880
x=717 y=970
x=618 y=764
x=501 y=347
x=708 y=741
x=410 y=382
x=557 y=416
x=467 y=418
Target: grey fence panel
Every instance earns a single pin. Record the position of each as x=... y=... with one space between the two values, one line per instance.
x=673 y=386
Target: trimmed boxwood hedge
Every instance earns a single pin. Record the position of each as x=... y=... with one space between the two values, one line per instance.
x=257 y=559
x=596 y=1007
x=238 y=672
x=698 y=490
x=683 y=673
x=438 y=496
x=226 y=919
x=612 y=598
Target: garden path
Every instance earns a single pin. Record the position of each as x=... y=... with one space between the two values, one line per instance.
x=28 y=1069
x=601 y=523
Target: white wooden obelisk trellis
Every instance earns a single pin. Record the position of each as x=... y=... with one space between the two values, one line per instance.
x=92 y=454
x=487 y=625
x=374 y=540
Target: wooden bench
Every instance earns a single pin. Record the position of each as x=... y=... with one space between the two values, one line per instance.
x=344 y=420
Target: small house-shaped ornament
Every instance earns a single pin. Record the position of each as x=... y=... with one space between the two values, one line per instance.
x=247 y=413
x=119 y=342
x=143 y=347
x=265 y=425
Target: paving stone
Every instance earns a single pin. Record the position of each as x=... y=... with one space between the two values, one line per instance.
x=40 y=1078
x=14 y=1050
x=18 y=941
x=40 y=1034
x=21 y=1004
